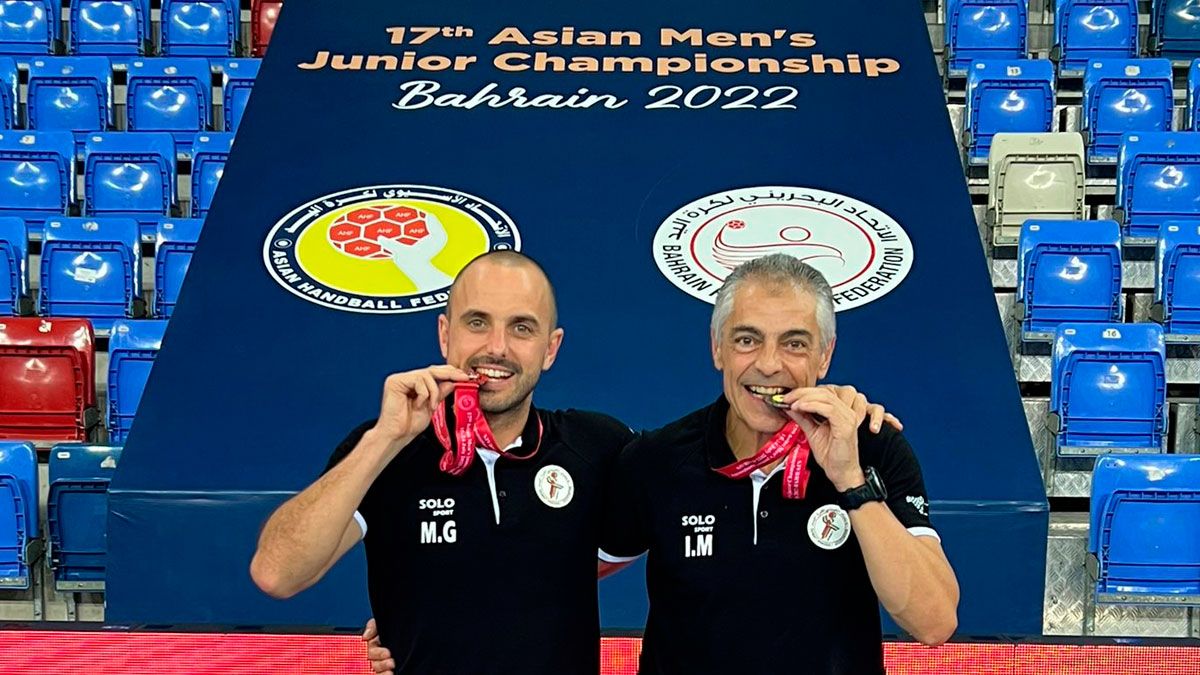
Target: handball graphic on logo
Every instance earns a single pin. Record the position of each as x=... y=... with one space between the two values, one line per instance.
x=383 y=249
x=863 y=252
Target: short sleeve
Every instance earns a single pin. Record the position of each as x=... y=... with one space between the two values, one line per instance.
x=625 y=525
x=362 y=514
x=907 y=498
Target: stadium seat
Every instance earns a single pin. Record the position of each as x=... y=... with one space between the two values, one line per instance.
x=1175 y=29
x=48 y=367
x=1142 y=543
x=1094 y=29
x=1006 y=96
x=1108 y=388
x=70 y=93
x=1193 y=96
x=237 y=77
x=77 y=514
x=263 y=15
x=28 y=26
x=14 y=272
x=19 y=523
x=129 y=175
x=91 y=268
x=1033 y=176
x=110 y=27
x=176 y=242
x=170 y=94
x=209 y=154
x=1124 y=96
x=1177 y=281
x=1067 y=271
x=131 y=352
x=37 y=175
x=1158 y=179
x=8 y=92
x=984 y=29
x=199 y=27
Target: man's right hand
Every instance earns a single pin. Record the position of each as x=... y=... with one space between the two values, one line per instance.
x=381 y=659
x=409 y=400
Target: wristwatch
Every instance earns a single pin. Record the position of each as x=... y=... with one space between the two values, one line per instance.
x=872 y=491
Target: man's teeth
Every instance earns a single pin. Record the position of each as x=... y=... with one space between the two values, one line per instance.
x=494 y=374
x=766 y=391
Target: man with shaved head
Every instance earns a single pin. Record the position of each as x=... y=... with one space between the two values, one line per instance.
x=484 y=512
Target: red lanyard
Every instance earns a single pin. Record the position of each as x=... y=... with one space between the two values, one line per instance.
x=790 y=441
x=470 y=429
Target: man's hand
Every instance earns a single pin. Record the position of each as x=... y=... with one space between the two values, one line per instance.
x=381 y=659
x=834 y=442
x=409 y=400
x=855 y=399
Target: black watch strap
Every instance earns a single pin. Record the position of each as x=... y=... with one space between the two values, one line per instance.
x=871 y=491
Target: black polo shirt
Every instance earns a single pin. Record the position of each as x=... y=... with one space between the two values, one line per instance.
x=478 y=573
x=736 y=582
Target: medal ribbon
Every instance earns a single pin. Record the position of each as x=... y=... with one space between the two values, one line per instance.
x=789 y=441
x=470 y=430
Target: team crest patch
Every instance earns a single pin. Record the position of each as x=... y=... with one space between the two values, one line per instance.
x=384 y=249
x=863 y=252
x=829 y=527
x=554 y=486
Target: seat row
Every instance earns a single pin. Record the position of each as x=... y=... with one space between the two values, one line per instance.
x=1083 y=30
x=124 y=27
x=77 y=514
x=174 y=95
x=1120 y=96
x=1042 y=176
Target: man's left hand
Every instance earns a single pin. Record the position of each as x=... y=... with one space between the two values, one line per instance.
x=834 y=442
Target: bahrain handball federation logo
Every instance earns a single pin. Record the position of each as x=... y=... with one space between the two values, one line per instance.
x=862 y=251
x=384 y=249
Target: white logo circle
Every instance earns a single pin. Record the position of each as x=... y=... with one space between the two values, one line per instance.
x=829 y=527
x=863 y=252
x=554 y=486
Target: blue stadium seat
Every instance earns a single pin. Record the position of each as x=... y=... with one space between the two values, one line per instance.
x=28 y=26
x=984 y=29
x=238 y=77
x=8 y=92
x=1193 y=96
x=176 y=242
x=77 y=514
x=37 y=175
x=1094 y=29
x=209 y=154
x=91 y=268
x=1158 y=179
x=110 y=27
x=1108 y=388
x=1177 y=281
x=14 y=271
x=170 y=94
x=1142 y=543
x=1175 y=29
x=70 y=93
x=200 y=27
x=131 y=352
x=1124 y=96
x=1006 y=96
x=1067 y=271
x=19 y=523
x=129 y=174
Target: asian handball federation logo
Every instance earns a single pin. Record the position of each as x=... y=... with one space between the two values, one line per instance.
x=384 y=249
x=863 y=252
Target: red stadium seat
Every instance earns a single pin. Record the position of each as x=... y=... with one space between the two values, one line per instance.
x=263 y=14
x=47 y=379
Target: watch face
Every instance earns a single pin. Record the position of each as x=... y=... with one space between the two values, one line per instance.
x=875 y=483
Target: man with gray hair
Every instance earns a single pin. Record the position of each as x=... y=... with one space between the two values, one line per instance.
x=751 y=574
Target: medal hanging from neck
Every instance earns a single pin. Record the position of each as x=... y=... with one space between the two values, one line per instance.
x=471 y=430
x=789 y=442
